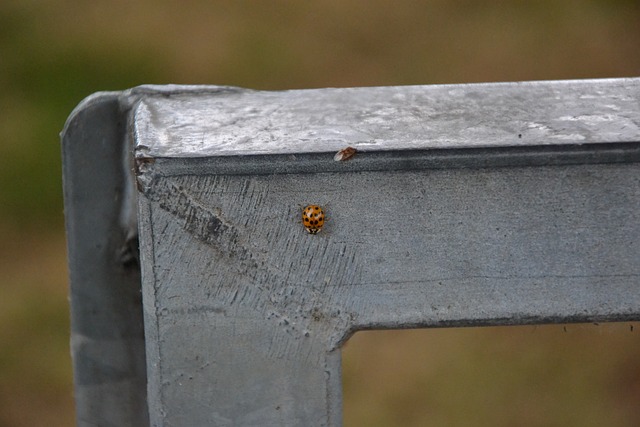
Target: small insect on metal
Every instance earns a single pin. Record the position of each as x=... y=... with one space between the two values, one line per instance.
x=313 y=218
x=344 y=154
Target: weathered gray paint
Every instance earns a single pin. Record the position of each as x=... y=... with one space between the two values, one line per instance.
x=466 y=205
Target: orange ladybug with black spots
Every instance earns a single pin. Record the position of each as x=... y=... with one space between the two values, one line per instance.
x=313 y=218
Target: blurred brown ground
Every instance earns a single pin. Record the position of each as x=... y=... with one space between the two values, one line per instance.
x=53 y=53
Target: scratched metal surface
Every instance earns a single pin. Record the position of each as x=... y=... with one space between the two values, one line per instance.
x=245 y=312
x=227 y=121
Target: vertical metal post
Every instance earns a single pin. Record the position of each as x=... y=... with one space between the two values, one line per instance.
x=107 y=335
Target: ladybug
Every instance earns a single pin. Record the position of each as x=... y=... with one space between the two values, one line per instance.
x=313 y=218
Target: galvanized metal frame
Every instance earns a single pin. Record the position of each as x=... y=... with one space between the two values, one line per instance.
x=466 y=205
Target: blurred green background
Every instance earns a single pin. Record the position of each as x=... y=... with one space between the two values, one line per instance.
x=53 y=53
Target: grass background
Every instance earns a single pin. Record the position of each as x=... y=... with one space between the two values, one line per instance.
x=53 y=53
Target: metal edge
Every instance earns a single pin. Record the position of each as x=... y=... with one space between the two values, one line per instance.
x=107 y=337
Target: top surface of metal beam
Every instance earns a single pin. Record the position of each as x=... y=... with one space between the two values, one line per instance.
x=185 y=121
